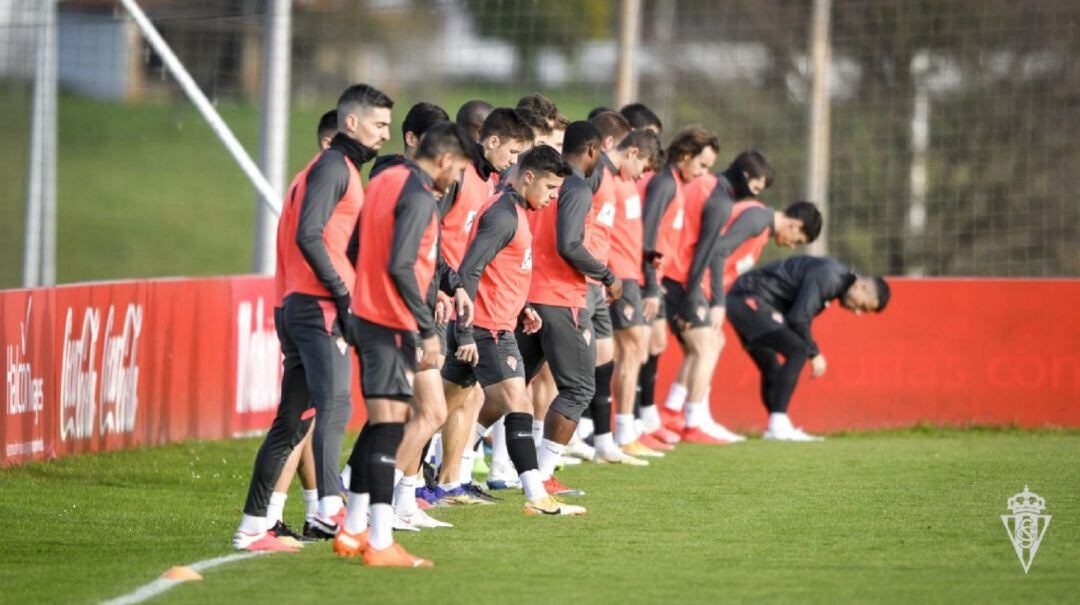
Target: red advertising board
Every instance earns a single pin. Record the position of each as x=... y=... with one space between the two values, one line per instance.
x=26 y=326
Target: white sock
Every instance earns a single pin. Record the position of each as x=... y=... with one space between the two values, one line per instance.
x=779 y=422
x=276 y=509
x=356 y=516
x=346 y=477
x=538 y=432
x=329 y=506
x=604 y=444
x=252 y=525
x=311 y=504
x=435 y=452
x=550 y=454
x=398 y=476
x=676 y=397
x=405 y=494
x=500 y=456
x=625 y=432
x=449 y=486
x=382 y=526
x=650 y=417
x=696 y=414
x=533 y=485
x=465 y=470
x=585 y=427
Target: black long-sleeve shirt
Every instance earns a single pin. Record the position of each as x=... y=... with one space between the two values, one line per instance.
x=413 y=214
x=575 y=203
x=799 y=287
x=659 y=194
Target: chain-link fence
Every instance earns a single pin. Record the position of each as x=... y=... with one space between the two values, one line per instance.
x=954 y=123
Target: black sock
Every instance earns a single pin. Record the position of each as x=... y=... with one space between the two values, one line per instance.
x=358 y=483
x=519 y=441
x=647 y=381
x=601 y=401
x=381 y=460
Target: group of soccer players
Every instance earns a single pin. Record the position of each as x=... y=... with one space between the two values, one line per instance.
x=514 y=275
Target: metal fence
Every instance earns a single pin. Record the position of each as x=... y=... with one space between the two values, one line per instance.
x=950 y=126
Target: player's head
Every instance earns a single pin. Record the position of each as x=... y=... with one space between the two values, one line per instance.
x=504 y=135
x=641 y=151
x=541 y=128
x=596 y=111
x=420 y=118
x=866 y=294
x=326 y=130
x=444 y=152
x=581 y=147
x=641 y=116
x=541 y=105
x=693 y=151
x=540 y=173
x=471 y=116
x=750 y=173
x=612 y=126
x=363 y=114
x=558 y=131
x=802 y=225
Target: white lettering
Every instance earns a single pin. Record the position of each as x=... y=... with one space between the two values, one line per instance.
x=25 y=393
x=78 y=378
x=119 y=395
x=258 y=360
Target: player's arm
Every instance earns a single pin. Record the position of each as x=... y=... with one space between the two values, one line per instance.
x=714 y=214
x=326 y=184
x=494 y=232
x=820 y=285
x=412 y=216
x=751 y=223
x=574 y=206
x=658 y=195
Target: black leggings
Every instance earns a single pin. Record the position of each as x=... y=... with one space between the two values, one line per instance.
x=778 y=380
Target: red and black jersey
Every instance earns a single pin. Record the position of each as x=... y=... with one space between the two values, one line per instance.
x=662 y=222
x=745 y=236
x=626 y=252
x=497 y=267
x=602 y=216
x=317 y=221
x=561 y=261
x=463 y=203
x=706 y=208
x=399 y=250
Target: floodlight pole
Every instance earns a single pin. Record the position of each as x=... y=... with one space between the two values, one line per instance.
x=274 y=127
x=626 y=80
x=817 y=145
x=39 y=243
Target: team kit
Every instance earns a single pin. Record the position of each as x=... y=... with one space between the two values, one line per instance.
x=513 y=276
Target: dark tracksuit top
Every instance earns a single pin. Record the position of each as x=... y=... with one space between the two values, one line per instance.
x=799 y=287
x=707 y=201
x=497 y=267
x=662 y=222
x=748 y=230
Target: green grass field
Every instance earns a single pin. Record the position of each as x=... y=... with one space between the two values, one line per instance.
x=903 y=517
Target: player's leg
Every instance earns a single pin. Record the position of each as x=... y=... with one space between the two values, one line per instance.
x=308 y=480
x=276 y=510
x=782 y=380
x=630 y=353
x=428 y=416
x=543 y=393
x=673 y=411
x=651 y=418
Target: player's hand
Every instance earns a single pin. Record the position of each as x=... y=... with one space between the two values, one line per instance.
x=443 y=304
x=464 y=306
x=650 y=307
x=531 y=322
x=468 y=354
x=430 y=349
x=614 y=291
x=817 y=366
x=716 y=317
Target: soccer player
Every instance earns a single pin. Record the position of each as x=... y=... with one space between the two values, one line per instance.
x=326 y=130
x=496 y=271
x=471 y=116
x=315 y=279
x=639 y=152
x=558 y=293
x=771 y=309
x=541 y=127
x=504 y=136
x=690 y=155
x=394 y=331
x=540 y=105
x=641 y=116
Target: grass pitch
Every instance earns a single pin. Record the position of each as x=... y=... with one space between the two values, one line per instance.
x=908 y=516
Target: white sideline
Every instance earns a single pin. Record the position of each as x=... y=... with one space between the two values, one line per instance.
x=160 y=585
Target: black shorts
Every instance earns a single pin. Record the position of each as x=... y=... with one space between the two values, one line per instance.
x=751 y=318
x=566 y=341
x=499 y=360
x=626 y=312
x=598 y=311
x=674 y=299
x=388 y=360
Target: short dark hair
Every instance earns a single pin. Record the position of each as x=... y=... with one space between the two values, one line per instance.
x=883 y=293
x=810 y=216
x=580 y=136
x=543 y=159
x=421 y=117
x=753 y=163
x=327 y=125
x=445 y=137
x=506 y=124
x=691 y=141
x=641 y=116
x=472 y=114
x=597 y=110
x=648 y=144
x=535 y=121
x=561 y=122
x=611 y=124
x=361 y=97
x=540 y=104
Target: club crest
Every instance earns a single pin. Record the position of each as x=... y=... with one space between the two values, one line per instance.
x=512 y=362
x=1026 y=526
x=587 y=335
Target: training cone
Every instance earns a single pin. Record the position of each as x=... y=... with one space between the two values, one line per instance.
x=181 y=573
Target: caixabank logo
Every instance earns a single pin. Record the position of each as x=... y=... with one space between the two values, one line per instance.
x=99 y=380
